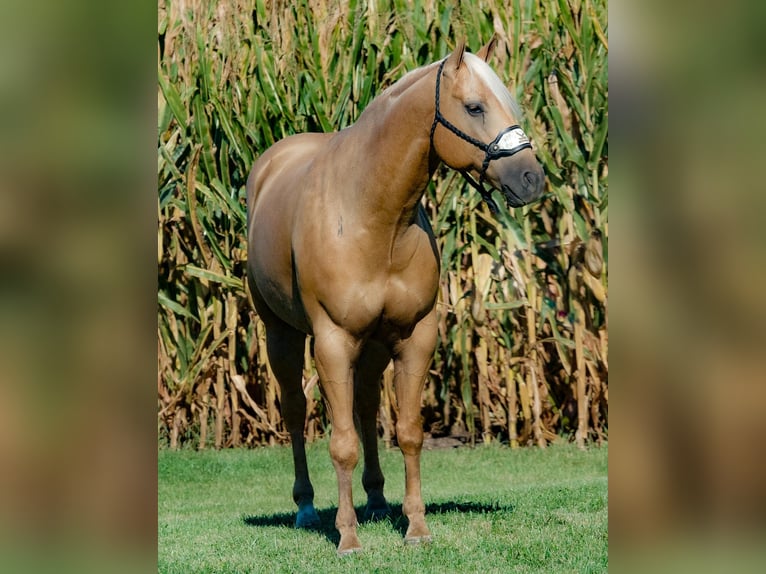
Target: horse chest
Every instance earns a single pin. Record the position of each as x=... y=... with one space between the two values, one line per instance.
x=409 y=297
x=412 y=283
x=364 y=283
x=390 y=299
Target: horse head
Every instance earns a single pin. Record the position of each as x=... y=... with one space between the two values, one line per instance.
x=475 y=128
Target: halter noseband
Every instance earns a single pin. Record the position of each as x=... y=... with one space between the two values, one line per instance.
x=508 y=142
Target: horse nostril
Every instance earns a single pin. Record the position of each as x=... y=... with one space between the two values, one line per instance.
x=530 y=179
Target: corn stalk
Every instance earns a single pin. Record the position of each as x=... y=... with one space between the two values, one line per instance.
x=522 y=355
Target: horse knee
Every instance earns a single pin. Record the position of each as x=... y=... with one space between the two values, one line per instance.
x=409 y=436
x=344 y=449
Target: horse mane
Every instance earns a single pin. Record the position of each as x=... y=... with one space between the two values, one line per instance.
x=393 y=92
x=487 y=74
x=474 y=63
x=403 y=83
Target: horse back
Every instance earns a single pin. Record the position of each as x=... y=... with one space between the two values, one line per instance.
x=286 y=160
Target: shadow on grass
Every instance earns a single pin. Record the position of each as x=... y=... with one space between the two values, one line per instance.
x=397 y=520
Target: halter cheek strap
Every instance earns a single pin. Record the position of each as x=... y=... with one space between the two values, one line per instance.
x=508 y=142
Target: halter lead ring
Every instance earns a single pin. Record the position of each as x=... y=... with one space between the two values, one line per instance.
x=508 y=142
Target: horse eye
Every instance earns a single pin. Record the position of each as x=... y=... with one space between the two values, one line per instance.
x=474 y=109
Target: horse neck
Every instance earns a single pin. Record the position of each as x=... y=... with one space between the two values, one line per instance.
x=391 y=151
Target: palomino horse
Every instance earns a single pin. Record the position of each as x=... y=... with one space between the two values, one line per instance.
x=340 y=249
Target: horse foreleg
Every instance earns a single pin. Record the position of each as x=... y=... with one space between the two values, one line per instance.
x=412 y=357
x=285 y=348
x=335 y=353
x=368 y=372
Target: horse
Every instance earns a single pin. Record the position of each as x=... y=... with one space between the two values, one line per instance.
x=340 y=249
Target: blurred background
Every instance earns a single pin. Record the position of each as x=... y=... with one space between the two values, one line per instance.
x=79 y=322
x=687 y=273
x=77 y=287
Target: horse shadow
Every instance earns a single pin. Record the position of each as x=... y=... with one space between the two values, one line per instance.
x=397 y=519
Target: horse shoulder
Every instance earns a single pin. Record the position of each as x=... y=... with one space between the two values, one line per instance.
x=413 y=280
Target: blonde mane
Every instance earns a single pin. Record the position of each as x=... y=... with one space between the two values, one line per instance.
x=495 y=84
x=476 y=65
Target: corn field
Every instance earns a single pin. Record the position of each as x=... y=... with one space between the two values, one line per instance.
x=522 y=353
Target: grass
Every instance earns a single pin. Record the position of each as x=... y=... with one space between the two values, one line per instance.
x=490 y=509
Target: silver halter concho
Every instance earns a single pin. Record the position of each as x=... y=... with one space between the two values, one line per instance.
x=508 y=142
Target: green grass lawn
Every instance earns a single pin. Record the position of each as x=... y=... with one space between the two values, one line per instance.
x=490 y=509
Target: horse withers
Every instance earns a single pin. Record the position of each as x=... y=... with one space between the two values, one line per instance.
x=340 y=249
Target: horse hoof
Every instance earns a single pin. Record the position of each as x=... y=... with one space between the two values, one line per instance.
x=307 y=518
x=417 y=540
x=349 y=551
x=349 y=544
x=377 y=513
x=417 y=532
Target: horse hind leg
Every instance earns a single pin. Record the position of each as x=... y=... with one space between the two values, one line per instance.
x=369 y=369
x=286 y=347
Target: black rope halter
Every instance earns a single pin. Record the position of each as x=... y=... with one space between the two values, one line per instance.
x=494 y=150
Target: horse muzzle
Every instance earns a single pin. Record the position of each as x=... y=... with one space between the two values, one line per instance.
x=520 y=179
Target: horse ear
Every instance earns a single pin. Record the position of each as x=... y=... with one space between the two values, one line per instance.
x=486 y=51
x=456 y=57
